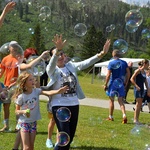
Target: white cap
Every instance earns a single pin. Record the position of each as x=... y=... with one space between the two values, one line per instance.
x=13 y=43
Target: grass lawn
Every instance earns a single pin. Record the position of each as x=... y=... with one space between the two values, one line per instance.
x=93 y=131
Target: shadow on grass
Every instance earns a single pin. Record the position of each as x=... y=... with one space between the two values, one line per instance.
x=93 y=148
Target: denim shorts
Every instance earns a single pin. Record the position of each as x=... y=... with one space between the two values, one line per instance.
x=139 y=94
x=29 y=127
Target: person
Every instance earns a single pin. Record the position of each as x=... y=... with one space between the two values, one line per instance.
x=146 y=99
x=23 y=67
x=10 y=72
x=138 y=79
x=44 y=77
x=49 y=143
x=130 y=64
x=117 y=70
x=9 y=7
x=26 y=98
x=61 y=73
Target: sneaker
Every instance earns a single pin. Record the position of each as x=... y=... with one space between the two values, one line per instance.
x=49 y=143
x=110 y=119
x=124 y=121
x=137 y=123
x=4 y=129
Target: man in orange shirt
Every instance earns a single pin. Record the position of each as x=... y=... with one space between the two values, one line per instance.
x=9 y=68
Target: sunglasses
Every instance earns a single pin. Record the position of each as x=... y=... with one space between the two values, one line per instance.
x=61 y=53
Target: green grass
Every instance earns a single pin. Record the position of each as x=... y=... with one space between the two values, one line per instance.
x=93 y=131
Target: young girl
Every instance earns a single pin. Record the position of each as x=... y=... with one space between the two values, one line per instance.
x=138 y=79
x=27 y=107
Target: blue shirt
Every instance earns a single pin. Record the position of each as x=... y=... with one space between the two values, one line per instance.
x=118 y=68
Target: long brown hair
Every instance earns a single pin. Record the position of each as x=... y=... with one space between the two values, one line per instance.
x=21 y=84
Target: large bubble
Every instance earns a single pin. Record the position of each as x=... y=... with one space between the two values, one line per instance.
x=118 y=83
x=135 y=16
x=45 y=12
x=16 y=54
x=145 y=33
x=80 y=29
x=63 y=114
x=139 y=137
x=130 y=28
x=39 y=68
x=63 y=138
x=75 y=59
x=121 y=45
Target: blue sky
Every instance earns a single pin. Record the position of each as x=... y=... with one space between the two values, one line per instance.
x=141 y=2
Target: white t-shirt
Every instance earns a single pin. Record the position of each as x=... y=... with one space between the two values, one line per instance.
x=29 y=101
x=70 y=97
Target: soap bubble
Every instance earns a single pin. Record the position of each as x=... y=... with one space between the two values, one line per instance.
x=39 y=68
x=31 y=30
x=45 y=10
x=118 y=83
x=112 y=26
x=63 y=138
x=108 y=29
x=63 y=114
x=75 y=59
x=80 y=29
x=121 y=45
x=139 y=137
x=135 y=16
x=130 y=28
x=16 y=55
x=115 y=64
x=146 y=33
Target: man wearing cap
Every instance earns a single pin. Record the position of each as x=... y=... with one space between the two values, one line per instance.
x=117 y=70
x=9 y=69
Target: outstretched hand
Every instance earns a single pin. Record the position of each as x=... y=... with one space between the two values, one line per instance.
x=106 y=47
x=9 y=7
x=59 y=43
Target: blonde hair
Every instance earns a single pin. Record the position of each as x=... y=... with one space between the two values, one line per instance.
x=21 y=84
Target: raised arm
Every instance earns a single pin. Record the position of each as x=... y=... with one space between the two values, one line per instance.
x=105 y=49
x=24 y=66
x=59 y=43
x=6 y=10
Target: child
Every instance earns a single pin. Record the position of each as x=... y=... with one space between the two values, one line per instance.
x=146 y=97
x=27 y=107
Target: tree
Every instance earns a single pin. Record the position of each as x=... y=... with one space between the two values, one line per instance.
x=37 y=40
x=93 y=43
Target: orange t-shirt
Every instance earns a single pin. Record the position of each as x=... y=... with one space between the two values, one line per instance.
x=10 y=69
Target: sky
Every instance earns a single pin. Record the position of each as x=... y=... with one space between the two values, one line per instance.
x=140 y=2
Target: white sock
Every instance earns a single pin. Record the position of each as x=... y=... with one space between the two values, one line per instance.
x=124 y=115
x=110 y=116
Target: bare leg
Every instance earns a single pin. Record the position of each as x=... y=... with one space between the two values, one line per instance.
x=28 y=140
x=137 y=109
x=111 y=106
x=17 y=140
x=51 y=127
x=122 y=106
x=6 y=116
